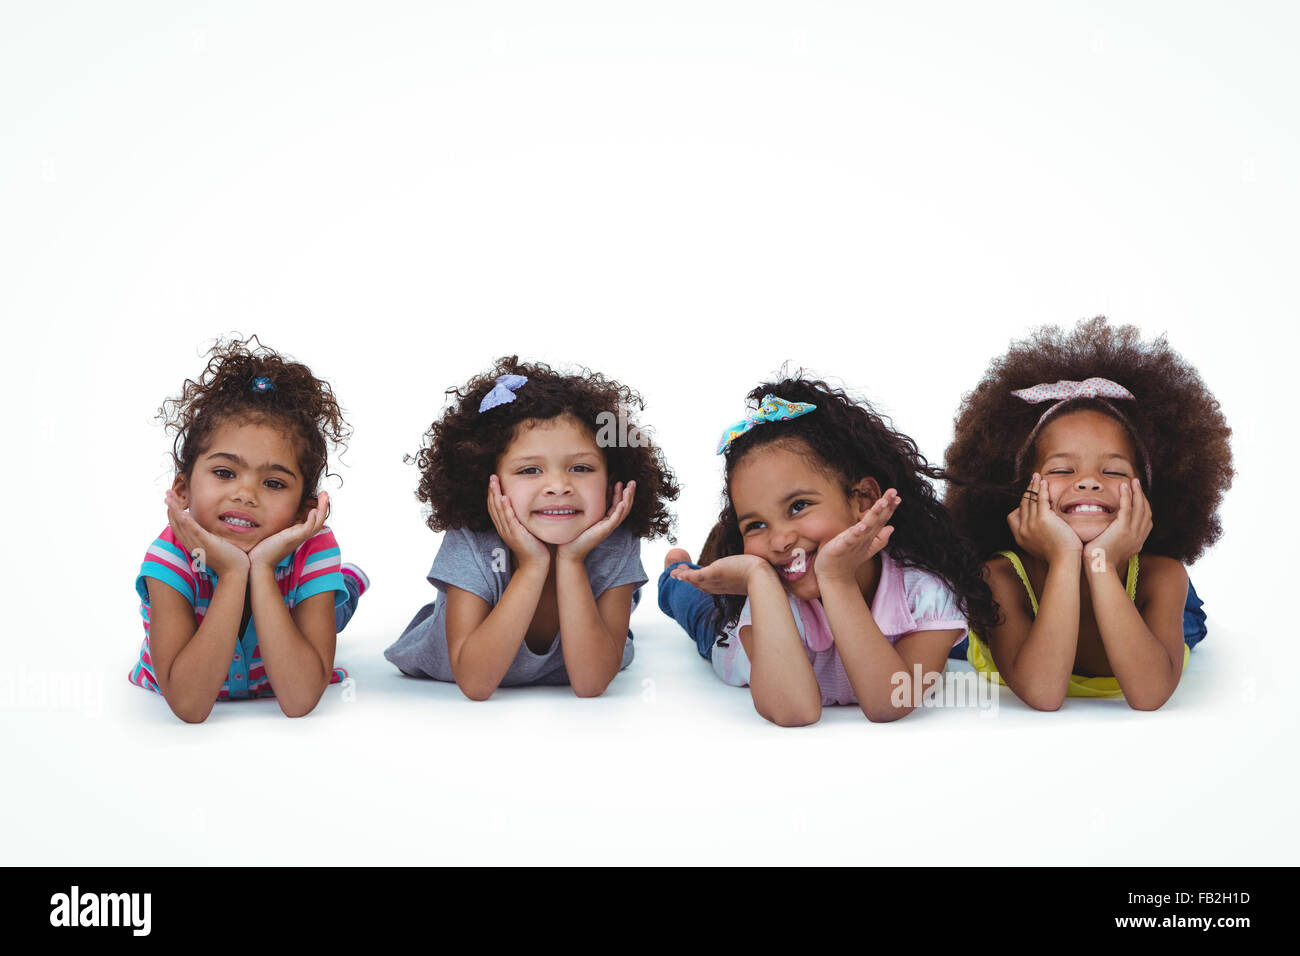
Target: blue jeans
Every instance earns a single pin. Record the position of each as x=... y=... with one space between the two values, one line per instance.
x=690 y=607
x=343 y=612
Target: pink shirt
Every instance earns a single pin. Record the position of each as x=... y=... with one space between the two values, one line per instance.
x=906 y=600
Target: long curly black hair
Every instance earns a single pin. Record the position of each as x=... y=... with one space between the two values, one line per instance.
x=246 y=381
x=849 y=440
x=1175 y=422
x=461 y=447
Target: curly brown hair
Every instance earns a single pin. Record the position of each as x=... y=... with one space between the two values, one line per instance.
x=849 y=440
x=1177 y=428
x=295 y=400
x=462 y=446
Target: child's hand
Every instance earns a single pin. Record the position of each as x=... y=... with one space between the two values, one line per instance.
x=841 y=556
x=582 y=545
x=271 y=551
x=217 y=553
x=527 y=548
x=1038 y=529
x=1125 y=536
x=729 y=575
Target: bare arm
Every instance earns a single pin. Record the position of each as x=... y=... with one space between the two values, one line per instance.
x=483 y=640
x=191 y=663
x=870 y=661
x=1035 y=655
x=592 y=633
x=592 y=636
x=781 y=679
x=1143 y=644
x=298 y=648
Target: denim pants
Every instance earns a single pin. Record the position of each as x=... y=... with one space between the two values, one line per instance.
x=343 y=612
x=690 y=607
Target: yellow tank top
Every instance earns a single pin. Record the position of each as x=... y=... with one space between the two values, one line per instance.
x=977 y=652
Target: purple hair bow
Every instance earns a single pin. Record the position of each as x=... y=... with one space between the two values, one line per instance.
x=502 y=392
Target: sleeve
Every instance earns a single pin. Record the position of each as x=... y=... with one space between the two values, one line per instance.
x=933 y=604
x=615 y=562
x=729 y=660
x=460 y=564
x=316 y=565
x=167 y=561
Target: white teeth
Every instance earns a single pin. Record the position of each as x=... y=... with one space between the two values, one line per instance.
x=1087 y=509
x=238 y=521
x=560 y=511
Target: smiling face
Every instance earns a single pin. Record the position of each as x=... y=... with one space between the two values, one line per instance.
x=555 y=477
x=1085 y=457
x=786 y=506
x=246 y=485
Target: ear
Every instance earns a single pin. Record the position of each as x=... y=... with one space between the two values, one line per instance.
x=181 y=487
x=866 y=491
x=308 y=504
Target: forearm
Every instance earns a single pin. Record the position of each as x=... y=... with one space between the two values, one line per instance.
x=481 y=660
x=781 y=680
x=592 y=655
x=1039 y=670
x=870 y=661
x=194 y=679
x=297 y=673
x=1141 y=664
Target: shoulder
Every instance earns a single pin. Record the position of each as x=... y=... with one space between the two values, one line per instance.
x=1158 y=574
x=167 y=560
x=928 y=595
x=319 y=546
x=621 y=542
x=458 y=540
x=617 y=559
x=318 y=555
x=1002 y=574
x=1008 y=590
x=471 y=561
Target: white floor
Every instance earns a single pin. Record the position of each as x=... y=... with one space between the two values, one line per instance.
x=670 y=766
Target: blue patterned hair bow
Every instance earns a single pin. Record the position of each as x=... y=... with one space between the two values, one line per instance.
x=263 y=384
x=503 y=391
x=772 y=409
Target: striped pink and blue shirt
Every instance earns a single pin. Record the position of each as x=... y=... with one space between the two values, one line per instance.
x=312 y=569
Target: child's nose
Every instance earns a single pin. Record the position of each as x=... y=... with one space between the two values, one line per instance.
x=1088 y=483
x=783 y=540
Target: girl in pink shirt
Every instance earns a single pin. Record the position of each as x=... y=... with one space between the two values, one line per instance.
x=837 y=571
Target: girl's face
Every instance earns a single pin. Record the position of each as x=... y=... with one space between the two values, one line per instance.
x=246 y=486
x=1084 y=457
x=555 y=477
x=787 y=509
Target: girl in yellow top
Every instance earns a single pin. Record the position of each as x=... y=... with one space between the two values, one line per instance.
x=1091 y=466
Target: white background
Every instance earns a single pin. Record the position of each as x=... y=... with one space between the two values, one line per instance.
x=683 y=196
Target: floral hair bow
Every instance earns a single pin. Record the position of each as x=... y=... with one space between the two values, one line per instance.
x=502 y=392
x=771 y=409
x=1065 y=389
x=262 y=384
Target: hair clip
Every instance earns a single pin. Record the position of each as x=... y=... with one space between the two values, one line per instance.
x=502 y=392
